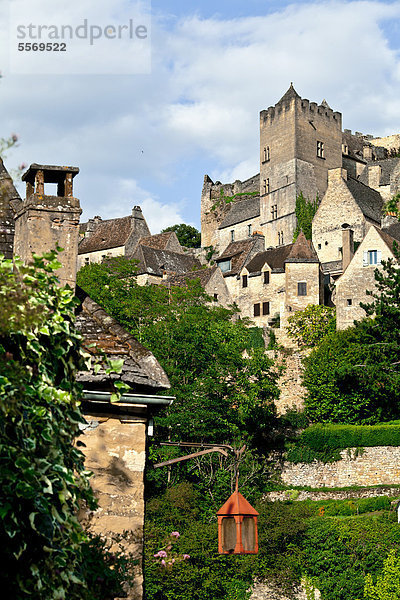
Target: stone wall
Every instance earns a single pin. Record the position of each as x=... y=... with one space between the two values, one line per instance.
x=375 y=466
x=116 y=452
x=315 y=496
x=265 y=591
x=292 y=392
x=99 y=256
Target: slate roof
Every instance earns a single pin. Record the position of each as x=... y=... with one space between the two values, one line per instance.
x=203 y=274
x=388 y=166
x=393 y=230
x=355 y=145
x=156 y=262
x=288 y=95
x=368 y=200
x=102 y=333
x=333 y=266
x=238 y=253
x=158 y=241
x=111 y=233
x=302 y=251
x=388 y=239
x=242 y=210
x=274 y=258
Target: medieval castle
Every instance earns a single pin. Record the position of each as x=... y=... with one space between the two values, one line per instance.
x=248 y=226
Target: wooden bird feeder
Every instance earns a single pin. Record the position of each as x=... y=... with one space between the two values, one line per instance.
x=237 y=526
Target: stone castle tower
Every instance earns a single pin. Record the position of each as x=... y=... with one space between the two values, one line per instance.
x=299 y=142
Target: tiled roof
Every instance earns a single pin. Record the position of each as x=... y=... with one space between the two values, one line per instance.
x=107 y=234
x=388 y=239
x=203 y=274
x=238 y=252
x=102 y=334
x=333 y=266
x=274 y=258
x=242 y=210
x=302 y=251
x=157 y=262
x=393 y=230
x=158 y=241
x=369 y=201
x=388 y=166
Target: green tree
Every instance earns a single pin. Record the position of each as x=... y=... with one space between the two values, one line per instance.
x=387 y=586
x=187 y=235
x=309 y=326
x=44 y=551
x=305 y=210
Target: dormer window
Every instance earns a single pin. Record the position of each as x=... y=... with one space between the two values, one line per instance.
x=225 y=265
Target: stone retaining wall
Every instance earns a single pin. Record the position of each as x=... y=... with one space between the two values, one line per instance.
x=299 y=495
x=375 y=466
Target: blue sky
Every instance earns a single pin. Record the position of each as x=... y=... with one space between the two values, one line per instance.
x=149 y=139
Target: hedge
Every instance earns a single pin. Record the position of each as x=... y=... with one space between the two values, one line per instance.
x=324 y=442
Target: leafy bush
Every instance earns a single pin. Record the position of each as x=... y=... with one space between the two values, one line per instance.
x=43 y=482
x=309 y=326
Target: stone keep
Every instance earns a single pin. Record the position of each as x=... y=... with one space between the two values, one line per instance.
x=299 y=142
x=44 y=221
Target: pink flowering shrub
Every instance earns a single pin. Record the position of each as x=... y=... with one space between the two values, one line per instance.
x=168 y=555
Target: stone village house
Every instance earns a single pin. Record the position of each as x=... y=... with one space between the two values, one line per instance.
x=115 y=434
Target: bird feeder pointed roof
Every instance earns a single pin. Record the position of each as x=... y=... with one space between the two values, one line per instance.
x=237 y=505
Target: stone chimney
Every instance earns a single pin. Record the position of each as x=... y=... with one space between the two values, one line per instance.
x=347 y=245
x=44 y=221
x=374 y=176
x=367 y=152
x=92 y=224
x=335 y=175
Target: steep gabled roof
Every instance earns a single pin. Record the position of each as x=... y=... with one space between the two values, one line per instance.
x=302 y=251
x=288 y=95
x=274 y=258
x=388 y=167
x=368 y=200
x=158 y=241
x=102 y=334
x=393 y=230
x=388 y=239
x=238 y=253
x=242 y=210
x=112 y=233
x=204 y=275
x=157 y=262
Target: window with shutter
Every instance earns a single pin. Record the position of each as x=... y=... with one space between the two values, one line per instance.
x=256 y=310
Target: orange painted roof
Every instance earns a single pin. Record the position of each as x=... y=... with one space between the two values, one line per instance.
x=237 y=505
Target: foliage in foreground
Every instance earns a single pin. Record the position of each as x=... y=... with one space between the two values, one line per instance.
x=327 y=542
x=387 y=586
x=44 y=551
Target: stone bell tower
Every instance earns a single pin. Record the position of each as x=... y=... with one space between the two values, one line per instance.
x=45 y=220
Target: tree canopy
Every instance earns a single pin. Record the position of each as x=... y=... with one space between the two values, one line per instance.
x=353 y=376
x=187 y=235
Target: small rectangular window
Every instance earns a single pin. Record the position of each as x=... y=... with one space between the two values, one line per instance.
x=232 y=235
x=256 y=310
x=320 y=149
x=268 y=187
x=274 y=211
x=349 y=301
x=266 y=277
x=225 y=265
x=249 y=230
x=244 y=281
x=215 y=297
x=87 y=260
x=302 y=288
x=319 y=246
x=265 y=308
